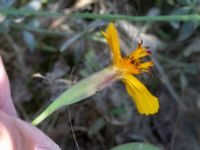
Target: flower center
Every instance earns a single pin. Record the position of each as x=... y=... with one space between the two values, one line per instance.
x=132 y=63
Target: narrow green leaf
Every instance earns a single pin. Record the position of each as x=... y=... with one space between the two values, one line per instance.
x=136 y=146
x=187 y=30
x=70 y=41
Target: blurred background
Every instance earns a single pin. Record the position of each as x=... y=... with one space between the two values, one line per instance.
x=45 y=55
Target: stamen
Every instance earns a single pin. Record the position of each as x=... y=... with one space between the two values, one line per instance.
x=140 y=44
x=132 y=58
x=149 y=52
x=133 y=61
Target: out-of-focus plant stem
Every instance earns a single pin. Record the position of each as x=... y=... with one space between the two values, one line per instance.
x=27 y=12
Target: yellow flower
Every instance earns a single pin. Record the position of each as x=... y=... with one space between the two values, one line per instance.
x=131 y=65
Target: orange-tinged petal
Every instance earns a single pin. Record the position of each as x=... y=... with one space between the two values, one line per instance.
x=145 y=102
x=146 y=64
x=139 y=52
x=145 y=67
x=111 y=36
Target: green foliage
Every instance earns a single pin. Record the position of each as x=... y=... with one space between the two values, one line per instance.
x=100 y=122
x=135 y=146
x=187 y=7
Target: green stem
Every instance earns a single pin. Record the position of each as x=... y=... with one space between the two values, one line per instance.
x=9 y=11
x=137 y=18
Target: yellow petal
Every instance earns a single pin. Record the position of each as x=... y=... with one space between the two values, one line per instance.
x=145 y=102
x=145 y=67
x=139 y=52
x=111 y=36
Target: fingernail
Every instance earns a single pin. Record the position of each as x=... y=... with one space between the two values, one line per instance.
x=47 y=146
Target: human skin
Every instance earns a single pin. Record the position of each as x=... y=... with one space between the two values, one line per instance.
x=16 y=134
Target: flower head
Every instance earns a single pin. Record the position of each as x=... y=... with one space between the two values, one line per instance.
x=122 y=68
x=131 y=65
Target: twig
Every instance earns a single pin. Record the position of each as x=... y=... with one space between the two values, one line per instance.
x=72 y=129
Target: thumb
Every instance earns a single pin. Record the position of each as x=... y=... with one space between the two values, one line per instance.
x=6 y=104
x=16 y=134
